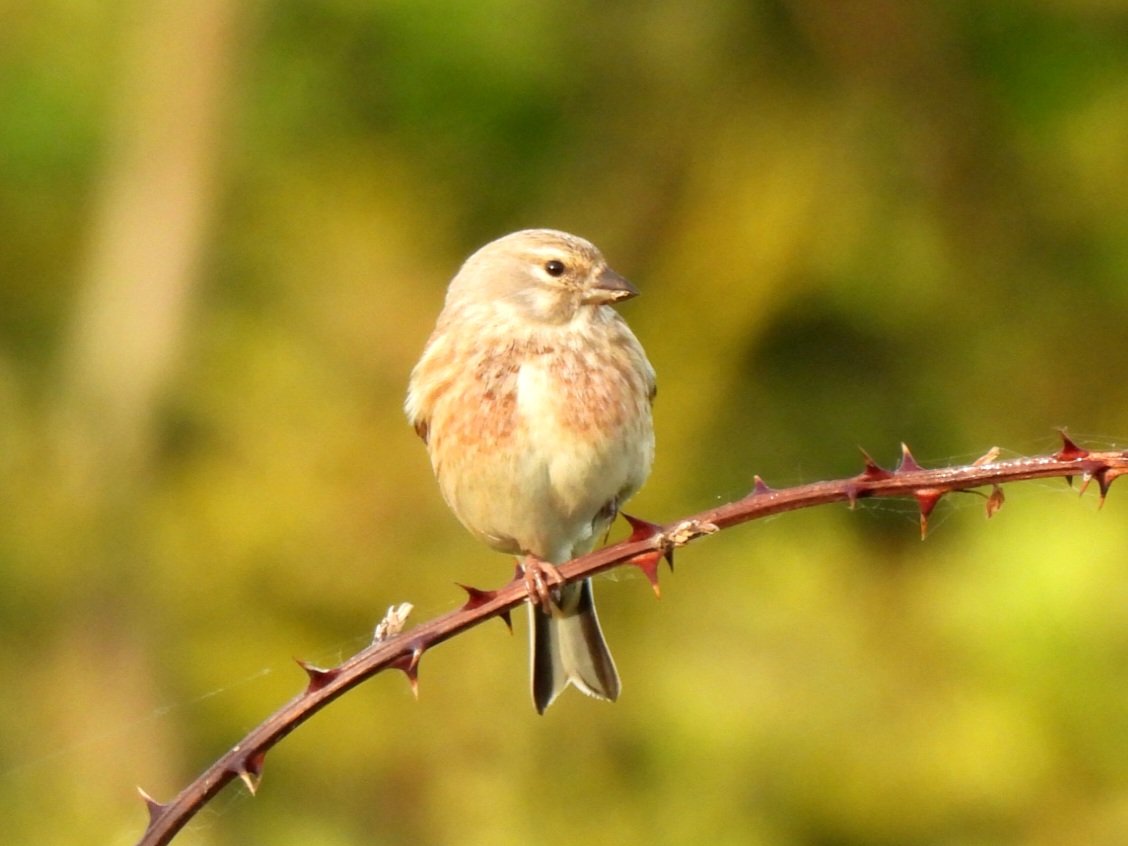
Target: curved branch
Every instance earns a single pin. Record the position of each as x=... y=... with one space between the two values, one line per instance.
x=645 y=548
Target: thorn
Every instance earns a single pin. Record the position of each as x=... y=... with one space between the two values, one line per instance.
x=640 y=529
x=250 y=769
x=644 y=530
x=409 y=663
x=478 y=597
x=318 y=676
x=988 y=457
x=1105 y=477
x=1102 y=486
x=908 y=463
x=1069 y=451
x=926 y=498
x=154 y=807
x=1086 y=477
x=872 y=472
x=648 y=563
x=760 y=488
x=1112 y=474
x=1069 y=480
x=995 y=501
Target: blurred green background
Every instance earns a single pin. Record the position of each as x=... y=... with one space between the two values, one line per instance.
x=227 y=230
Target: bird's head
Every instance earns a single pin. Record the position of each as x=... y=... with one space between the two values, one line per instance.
x=542 y=274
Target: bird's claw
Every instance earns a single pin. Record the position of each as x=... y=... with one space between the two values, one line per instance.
x=540 y=577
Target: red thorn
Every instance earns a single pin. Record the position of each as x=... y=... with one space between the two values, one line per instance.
x=640 y=529
x=908 y=463
x=154 y=807
x=318 y=676
x=926 y=498
x=644 y=530
x=476 y=597
x=1069 y=451
x=249 y=769
x=760 y=488
x=648 y=563
x=409 y=663
x=995 y=501
x=1099 y=472
x=1105 y=477
x=872 y=472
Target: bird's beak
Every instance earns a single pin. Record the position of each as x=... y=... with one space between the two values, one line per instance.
x=610 y=287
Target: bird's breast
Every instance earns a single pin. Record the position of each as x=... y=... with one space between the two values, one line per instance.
x=574 y=392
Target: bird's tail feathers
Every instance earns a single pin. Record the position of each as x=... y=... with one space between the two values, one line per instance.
x=568 y=648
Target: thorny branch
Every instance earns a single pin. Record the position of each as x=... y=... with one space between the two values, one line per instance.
x=647 y=545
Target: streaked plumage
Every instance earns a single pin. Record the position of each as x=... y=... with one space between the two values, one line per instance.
x=533 y=397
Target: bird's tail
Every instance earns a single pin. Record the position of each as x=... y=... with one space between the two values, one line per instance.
x=568 y=646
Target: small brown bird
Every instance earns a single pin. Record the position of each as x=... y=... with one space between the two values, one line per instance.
x=533 y=397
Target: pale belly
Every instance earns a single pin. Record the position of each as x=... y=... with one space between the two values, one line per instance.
x=578 y=438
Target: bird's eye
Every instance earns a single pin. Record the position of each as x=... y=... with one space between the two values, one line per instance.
x=554 y=267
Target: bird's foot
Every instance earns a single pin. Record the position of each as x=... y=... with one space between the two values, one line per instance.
x=540 y=577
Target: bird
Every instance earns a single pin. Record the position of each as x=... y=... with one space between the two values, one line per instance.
x=534 y=399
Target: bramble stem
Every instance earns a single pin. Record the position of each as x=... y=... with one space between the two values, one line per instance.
x=644 y=548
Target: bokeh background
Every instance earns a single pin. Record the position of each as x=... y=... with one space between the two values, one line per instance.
x=226 y=231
